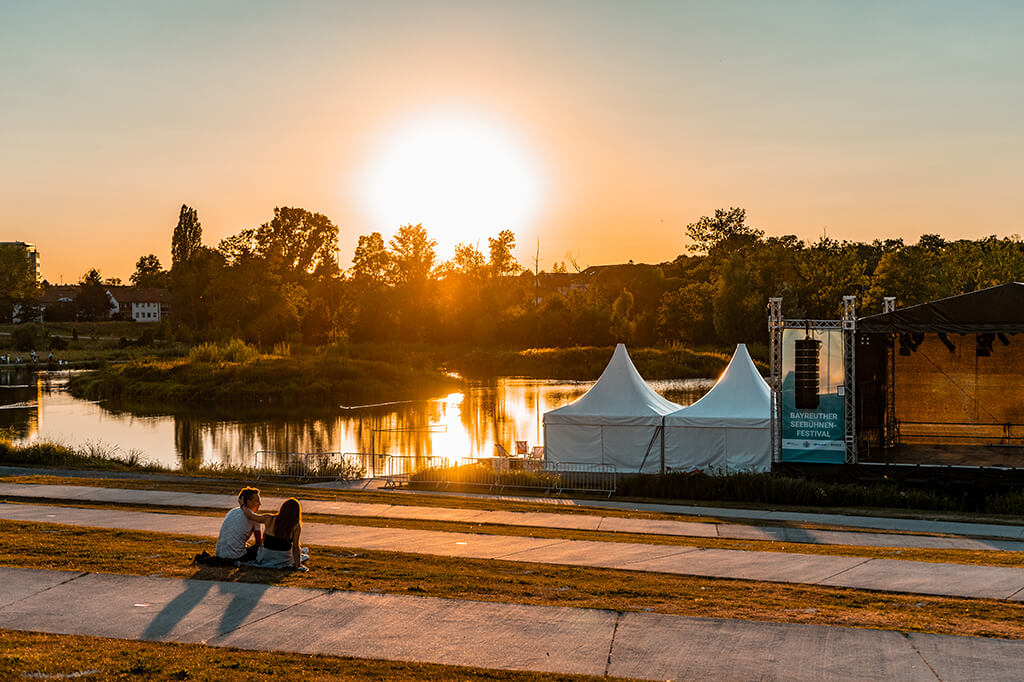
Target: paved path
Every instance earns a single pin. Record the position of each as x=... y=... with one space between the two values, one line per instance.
x=483 y=634
x=910 y=525
x=953 y=580
x=531 y=519
x=993 y=530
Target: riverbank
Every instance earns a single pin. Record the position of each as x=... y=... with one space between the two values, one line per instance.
x=313 y=381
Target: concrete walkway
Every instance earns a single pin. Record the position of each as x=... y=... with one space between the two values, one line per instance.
x=953 y=580
x=483 y=634
x=909 y=525
x=541 y=519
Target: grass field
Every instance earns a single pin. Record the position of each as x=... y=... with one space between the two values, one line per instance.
x=53 y=546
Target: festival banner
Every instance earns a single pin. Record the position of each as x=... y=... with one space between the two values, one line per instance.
x=812 y=400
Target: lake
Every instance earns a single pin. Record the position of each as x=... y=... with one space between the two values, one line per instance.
x=37 y=408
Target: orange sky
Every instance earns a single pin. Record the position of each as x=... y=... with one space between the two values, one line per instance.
x=859 y=119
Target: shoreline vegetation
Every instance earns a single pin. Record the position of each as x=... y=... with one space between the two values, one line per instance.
x=237 y=374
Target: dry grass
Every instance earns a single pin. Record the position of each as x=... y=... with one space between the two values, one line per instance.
x=51 y=546
x=27 y=655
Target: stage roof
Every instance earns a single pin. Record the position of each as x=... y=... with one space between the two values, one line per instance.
x=996 y=309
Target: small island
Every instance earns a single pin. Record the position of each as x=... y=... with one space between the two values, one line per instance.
x=237 y=375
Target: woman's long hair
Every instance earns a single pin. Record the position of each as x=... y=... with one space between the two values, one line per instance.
x=288 y=518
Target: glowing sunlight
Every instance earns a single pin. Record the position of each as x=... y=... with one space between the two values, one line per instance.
x=462 y=177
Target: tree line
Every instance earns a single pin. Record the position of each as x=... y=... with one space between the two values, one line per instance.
x=282 y=281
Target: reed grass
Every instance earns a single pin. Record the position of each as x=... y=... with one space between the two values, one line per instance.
x=587 y=363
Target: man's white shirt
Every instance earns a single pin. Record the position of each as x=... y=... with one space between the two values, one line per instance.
x=234 y=532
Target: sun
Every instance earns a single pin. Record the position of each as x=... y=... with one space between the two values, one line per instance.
x=461 y=176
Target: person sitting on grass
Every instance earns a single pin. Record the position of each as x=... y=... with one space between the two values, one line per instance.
x=281 y=548
x=238 y=526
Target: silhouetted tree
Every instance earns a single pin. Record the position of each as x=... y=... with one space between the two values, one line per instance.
x=187 y=238
x=149 y=273
x=501 y=260
x=92 y=301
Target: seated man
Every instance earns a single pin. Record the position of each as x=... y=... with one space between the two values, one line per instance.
x=238 y=525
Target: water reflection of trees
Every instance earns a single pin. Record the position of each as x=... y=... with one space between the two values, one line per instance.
x=19 y=402
x=500 y=411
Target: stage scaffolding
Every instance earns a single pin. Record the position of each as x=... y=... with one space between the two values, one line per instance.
x=777 y=324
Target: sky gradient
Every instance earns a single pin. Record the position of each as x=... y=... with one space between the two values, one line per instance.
x=864 y=120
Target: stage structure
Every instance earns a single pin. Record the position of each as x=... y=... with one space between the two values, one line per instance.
x=813 y=416
x=943 y=382
x=940 y=383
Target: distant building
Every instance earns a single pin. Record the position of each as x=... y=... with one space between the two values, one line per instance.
x=126 y=303
x=30 y=252
x=139 y=304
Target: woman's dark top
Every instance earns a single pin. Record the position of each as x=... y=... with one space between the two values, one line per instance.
x=277 y=544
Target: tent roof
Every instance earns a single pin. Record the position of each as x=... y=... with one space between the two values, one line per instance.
x=620 y=392
x=996 y=309
x=739 y=394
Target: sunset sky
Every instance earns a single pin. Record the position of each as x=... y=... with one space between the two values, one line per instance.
x=601 y=127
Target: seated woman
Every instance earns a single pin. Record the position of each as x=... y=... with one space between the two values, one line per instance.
x=281 y=548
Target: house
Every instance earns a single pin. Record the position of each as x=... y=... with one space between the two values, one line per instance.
x=126 y=303
x=139 y=304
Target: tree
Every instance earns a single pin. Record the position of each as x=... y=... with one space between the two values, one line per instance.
x=687 y=314
x=371 y=263
x=149 y=273
x=92 y=300
x=303 y=242
x=468 y=260
x=621 y=309
x=239 y=247
x=739 y=309
x=910 y=274
x=187 y=238
x=727 y=227
x=316 y=325
x=17 y=274
x=501 y=260
x=17 y=279
x=412 y=255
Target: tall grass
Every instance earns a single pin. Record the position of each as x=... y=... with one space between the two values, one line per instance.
x=104 y=457
x=93 y=455
x=586 y=363
x=234 y=350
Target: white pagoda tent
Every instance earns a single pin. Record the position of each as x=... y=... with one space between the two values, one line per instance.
x=618 y=422
x=729 y=429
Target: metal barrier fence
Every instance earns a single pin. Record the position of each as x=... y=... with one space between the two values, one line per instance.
x=393 y=469
x=302 y=465
x=500 y=473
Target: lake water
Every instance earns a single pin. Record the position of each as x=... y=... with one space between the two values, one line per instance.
x=37 y=407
